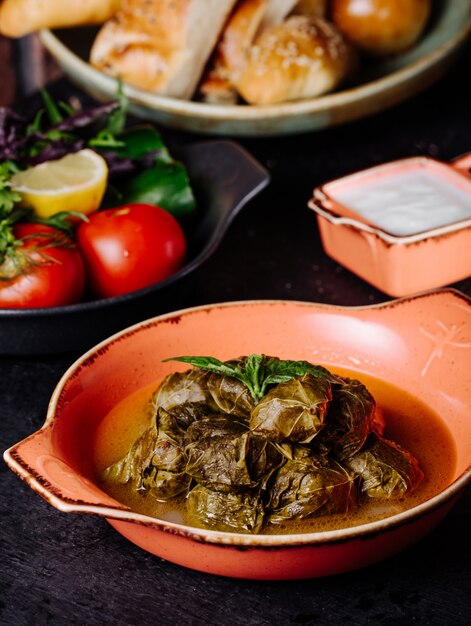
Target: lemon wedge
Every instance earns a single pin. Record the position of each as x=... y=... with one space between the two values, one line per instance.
x=77 y=182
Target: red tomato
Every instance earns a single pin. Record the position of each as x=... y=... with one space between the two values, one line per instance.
x=46 y=270
x=130 y=247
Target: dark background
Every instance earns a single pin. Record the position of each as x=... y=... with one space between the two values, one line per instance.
x=71 y=569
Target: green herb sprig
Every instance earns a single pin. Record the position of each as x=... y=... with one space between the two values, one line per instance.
x=8 y=197
x=9 y=211
x=258 y=372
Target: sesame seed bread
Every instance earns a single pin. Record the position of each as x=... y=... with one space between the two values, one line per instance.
x=248 y=19
x=300 y=58
x=161 y=45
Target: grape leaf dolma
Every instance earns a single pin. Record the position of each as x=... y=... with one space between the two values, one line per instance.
x=217 y=454
x=156 y=461
x=165 y=475
x=231 y=467
x=129 y=468
x=350 y=420
x=307 y=485
x=385 y=469
x=182 y=388
x=230 y=395
x=257 y=440
x=224 y=456
x=236 y=512
x=294 y=410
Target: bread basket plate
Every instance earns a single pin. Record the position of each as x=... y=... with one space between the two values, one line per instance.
x=379 y=84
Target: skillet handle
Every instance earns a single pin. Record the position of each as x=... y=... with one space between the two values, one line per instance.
x=227 y=177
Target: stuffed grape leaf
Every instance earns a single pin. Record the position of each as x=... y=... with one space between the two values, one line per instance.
x=236 y=512
x=216 y=452
x=156 y=461
x=165 y=475
x=169 y=446
x=164 y=485
x=182 y=388
x=224 y=456
x=349 y=420
x=385 y=469
x=198 y=387
x=189 y=412
x=230 y=395
x=308 y=486
x=294 y=410
x=263 y=458
x=129 y=468
x=214 y=427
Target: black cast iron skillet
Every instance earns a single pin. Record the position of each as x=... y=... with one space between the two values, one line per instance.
x=224 y=177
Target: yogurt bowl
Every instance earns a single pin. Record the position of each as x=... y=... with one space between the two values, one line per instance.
x=403 y=226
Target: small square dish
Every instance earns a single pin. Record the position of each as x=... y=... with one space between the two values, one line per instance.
x=404 y=226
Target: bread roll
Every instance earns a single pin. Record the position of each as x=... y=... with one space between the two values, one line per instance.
x=301 y=58
x=249 y=18
x=381 y=27
x=21 y=17
x=217 y=86
x=239 y=34
x=161 y=45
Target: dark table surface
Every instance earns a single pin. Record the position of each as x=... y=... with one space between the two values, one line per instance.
x=71 y=569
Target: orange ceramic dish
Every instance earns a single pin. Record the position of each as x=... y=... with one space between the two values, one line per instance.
x=399 y=265
x=421 y=345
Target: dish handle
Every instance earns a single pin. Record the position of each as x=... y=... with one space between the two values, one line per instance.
x=36 y=462
x=324 y=211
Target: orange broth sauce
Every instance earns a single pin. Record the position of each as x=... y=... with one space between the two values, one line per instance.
x=409 y=422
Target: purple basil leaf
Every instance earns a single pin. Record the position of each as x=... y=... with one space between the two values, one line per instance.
x=123 y=166
x=118 y=166
x=87 y=122
x=12 y=134
x=55 y=150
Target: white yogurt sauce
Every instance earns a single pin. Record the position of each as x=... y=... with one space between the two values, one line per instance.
x=408 y=203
